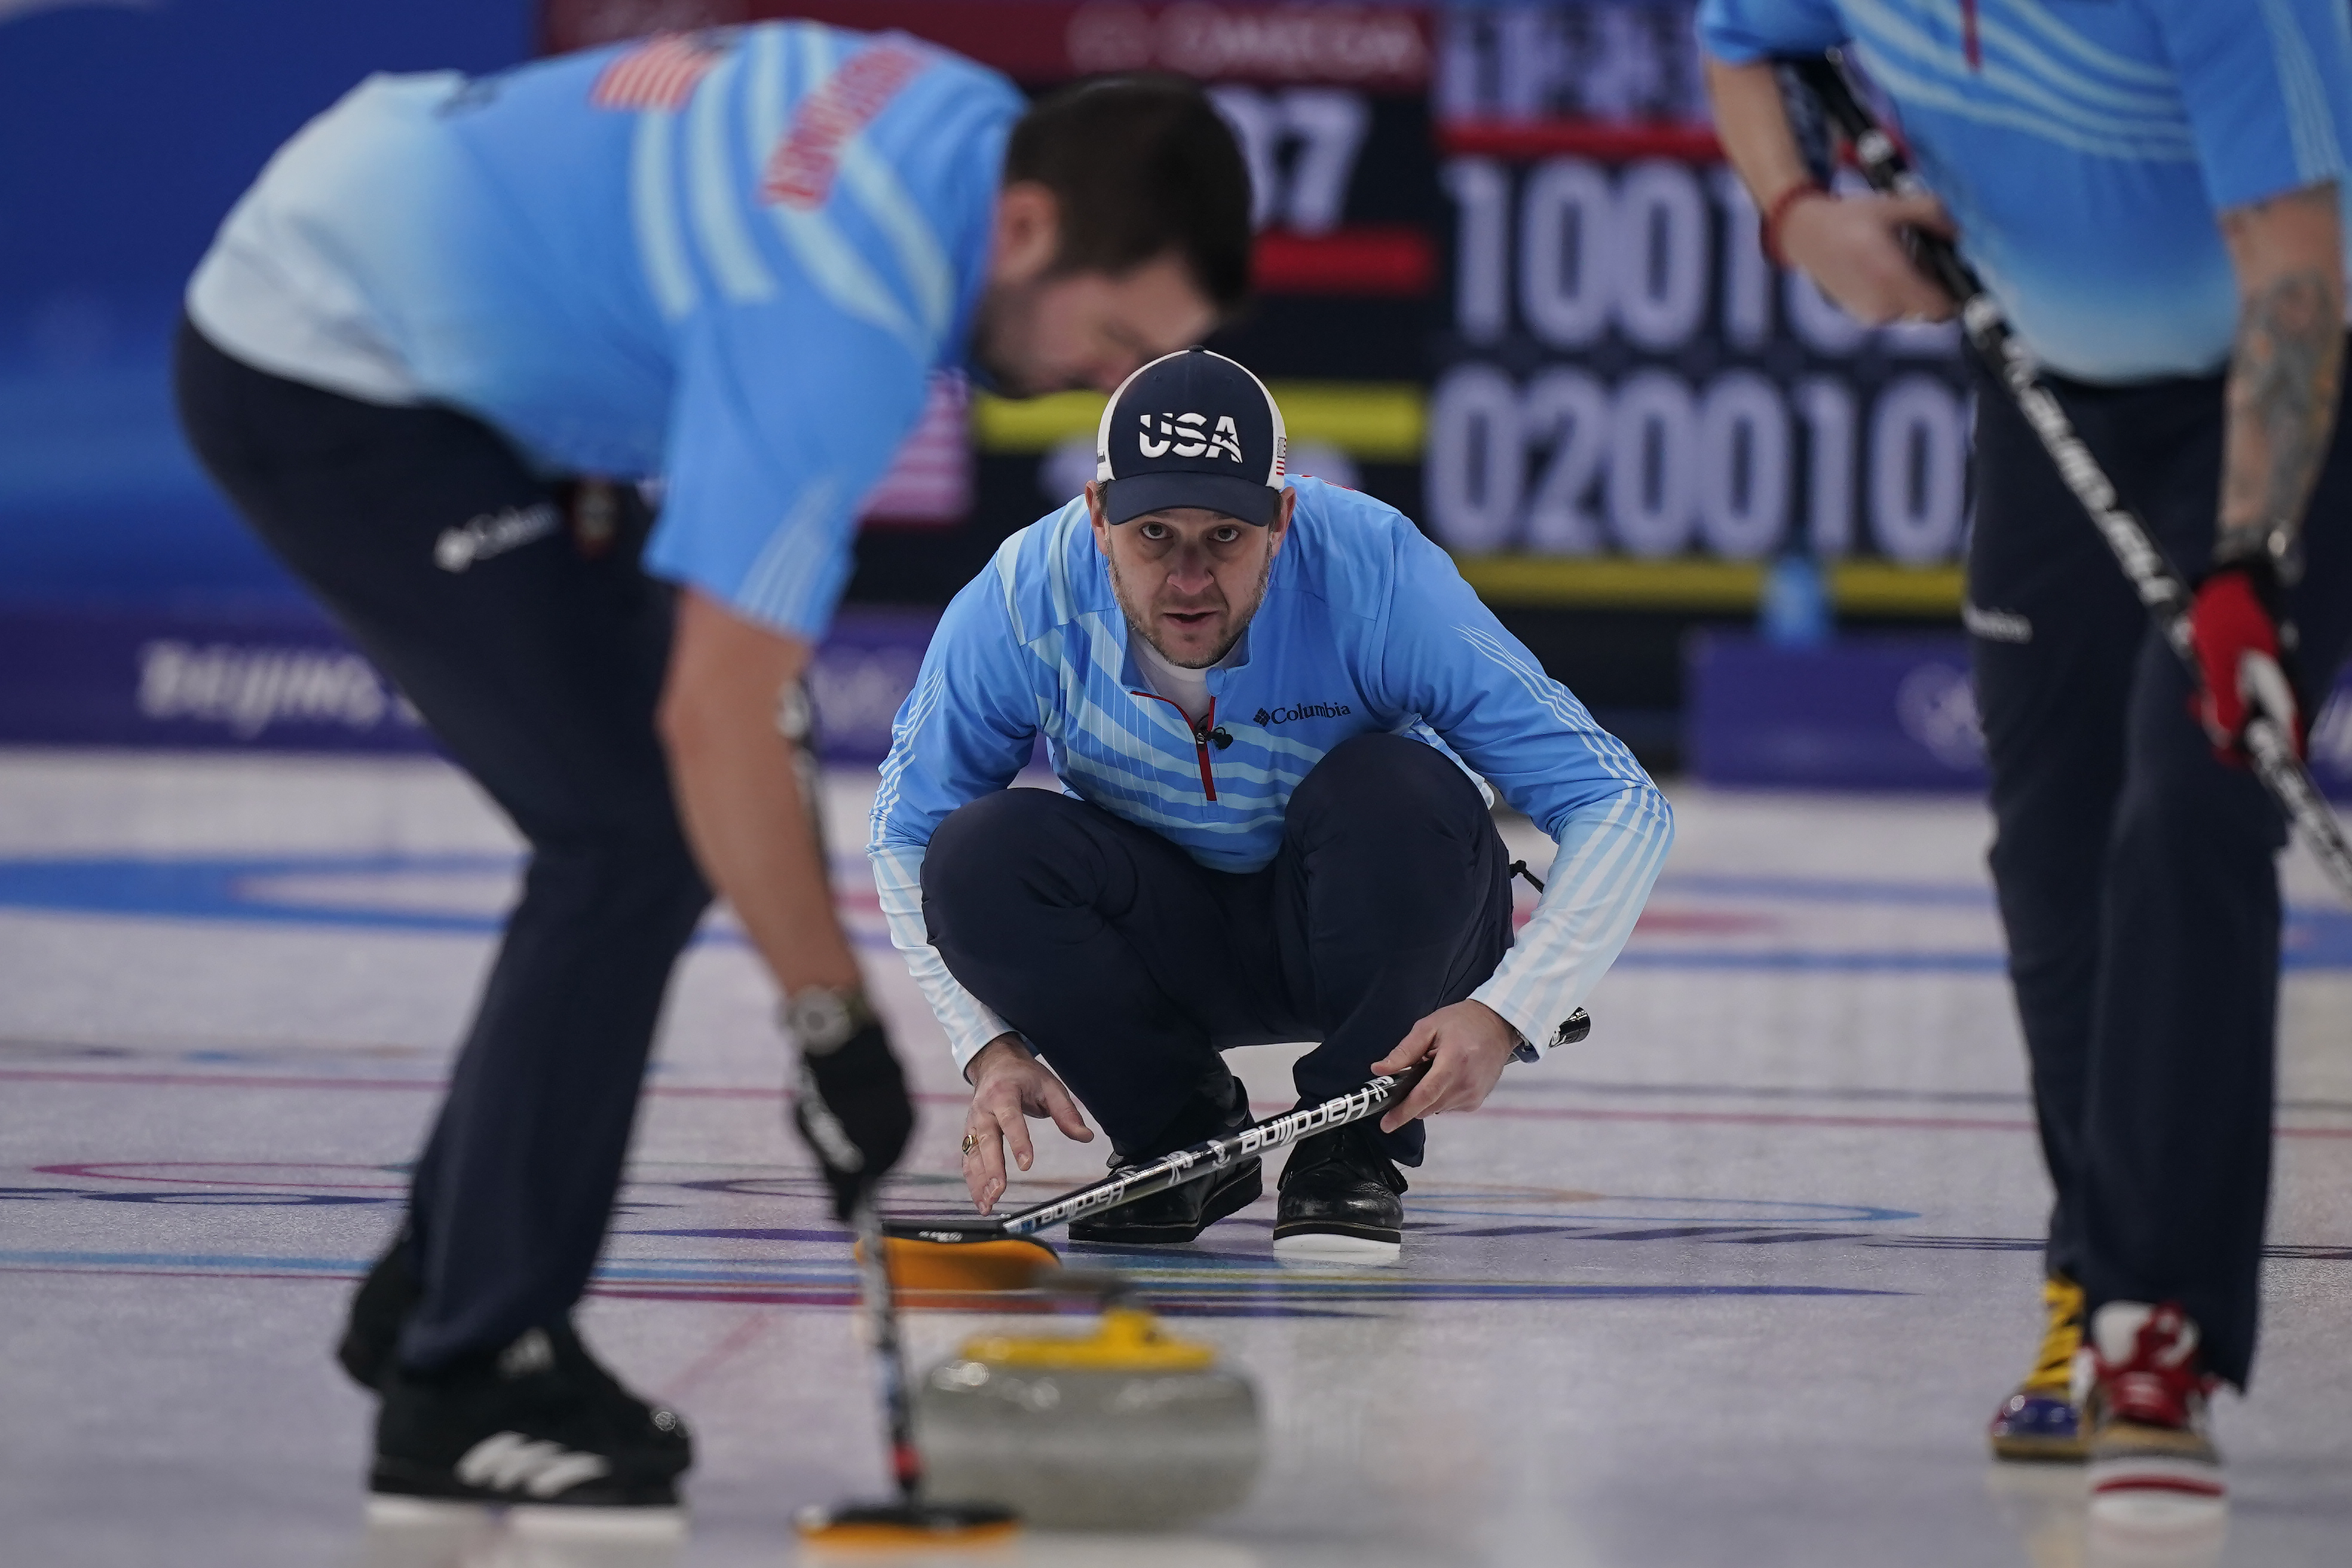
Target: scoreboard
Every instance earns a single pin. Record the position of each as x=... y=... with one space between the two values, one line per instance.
x=1506 y=282
x=1622 y=373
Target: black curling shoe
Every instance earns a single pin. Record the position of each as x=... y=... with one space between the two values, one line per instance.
x=1342 y=1201
x=380 y=1309
x=1178 y=1214
x=538 y=1426
x=1181 y=1214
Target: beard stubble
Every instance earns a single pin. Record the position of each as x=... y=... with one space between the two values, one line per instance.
x=1138 y=626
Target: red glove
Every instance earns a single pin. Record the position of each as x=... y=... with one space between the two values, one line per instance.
x=2236 y=629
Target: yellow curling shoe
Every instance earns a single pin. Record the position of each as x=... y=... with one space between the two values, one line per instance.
x=2041 y=1420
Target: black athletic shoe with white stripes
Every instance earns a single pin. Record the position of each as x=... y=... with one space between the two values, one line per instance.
x=540 y=1425
x=380 y=1309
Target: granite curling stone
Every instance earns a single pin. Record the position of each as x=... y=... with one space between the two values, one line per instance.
x=1127 y=1428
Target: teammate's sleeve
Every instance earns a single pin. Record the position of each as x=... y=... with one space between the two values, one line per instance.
x=812 y=226
x=1447 y=658
x=2266 y=85
x=782 y=424
x=1738 y=32
x=965 y=730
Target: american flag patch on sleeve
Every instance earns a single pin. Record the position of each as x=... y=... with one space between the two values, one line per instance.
x=659 y=73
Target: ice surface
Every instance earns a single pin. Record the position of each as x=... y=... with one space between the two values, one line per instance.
x=1738 y=1282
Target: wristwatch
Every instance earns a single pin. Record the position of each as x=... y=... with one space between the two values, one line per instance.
x=2279 y=546
x=822 y=1019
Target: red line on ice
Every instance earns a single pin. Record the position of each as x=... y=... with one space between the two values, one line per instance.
x=731 y=1345
x=750 y=1091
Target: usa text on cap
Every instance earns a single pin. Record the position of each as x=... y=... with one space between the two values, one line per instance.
x=1190 y=429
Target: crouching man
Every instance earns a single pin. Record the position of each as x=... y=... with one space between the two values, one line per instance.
x=1266 y=701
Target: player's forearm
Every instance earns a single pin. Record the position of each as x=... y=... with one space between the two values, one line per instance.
x=970 y=1023
x=739 y=791
x=2286 y=368
x=1753 y=125
x=1610 y=856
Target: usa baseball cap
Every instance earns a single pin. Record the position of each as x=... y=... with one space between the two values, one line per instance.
x=1190 y=429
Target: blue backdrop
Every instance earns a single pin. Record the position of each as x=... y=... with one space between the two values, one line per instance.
x=127 y=128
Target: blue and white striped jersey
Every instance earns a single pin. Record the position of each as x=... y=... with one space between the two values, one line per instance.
x=1366 y=625
x=2084 y=146
x=730 y=258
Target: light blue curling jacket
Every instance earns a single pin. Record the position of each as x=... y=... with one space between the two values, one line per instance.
x=1366 y=626
x=730 y=258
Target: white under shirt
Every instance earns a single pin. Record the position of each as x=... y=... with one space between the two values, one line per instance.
x=1188 y=689
x=279 y=290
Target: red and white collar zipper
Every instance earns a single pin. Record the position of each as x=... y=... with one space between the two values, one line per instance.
x=1205 y=734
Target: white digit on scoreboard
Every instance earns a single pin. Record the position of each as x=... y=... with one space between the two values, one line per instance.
x=1568 y=411
x=1675 y=464
x=1571 y=253
x=1322 y=127
x=1919 y=467
x=1482 y=308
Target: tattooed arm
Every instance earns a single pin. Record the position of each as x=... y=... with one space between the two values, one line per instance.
x=2285 y=369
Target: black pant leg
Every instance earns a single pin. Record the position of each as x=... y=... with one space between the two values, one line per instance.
x=1392 y=899
x=2177 y=1119
x=2176 y=1178
x=2054 y=627
x=538 y=668
x=2182 y=1093
x=2154 y=1062
x=1125 y=963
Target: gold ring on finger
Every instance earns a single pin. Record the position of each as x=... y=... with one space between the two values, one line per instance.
x=970 y=1145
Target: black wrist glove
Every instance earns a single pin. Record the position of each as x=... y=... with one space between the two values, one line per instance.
x=851 y=1107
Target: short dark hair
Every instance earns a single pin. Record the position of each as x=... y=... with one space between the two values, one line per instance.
x=1143 y=167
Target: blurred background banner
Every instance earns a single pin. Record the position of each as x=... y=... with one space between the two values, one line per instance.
x=127 y=129
x=1506 y=283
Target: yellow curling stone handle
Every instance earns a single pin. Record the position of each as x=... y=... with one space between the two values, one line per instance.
x=1128 y=1339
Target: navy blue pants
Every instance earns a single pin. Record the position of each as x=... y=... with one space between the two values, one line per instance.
x=2135 y=872
x=1129 y=967
x=538 y=667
